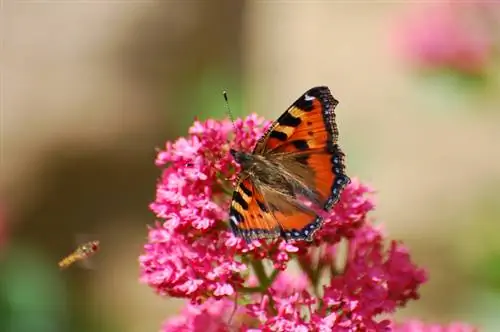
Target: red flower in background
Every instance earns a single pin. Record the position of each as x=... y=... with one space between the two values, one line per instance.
x=232 y=285
x=449 y=35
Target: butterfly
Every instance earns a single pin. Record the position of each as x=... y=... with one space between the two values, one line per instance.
x=295 y=171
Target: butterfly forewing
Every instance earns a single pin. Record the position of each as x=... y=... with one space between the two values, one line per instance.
x=303 y=143
x=309 y=123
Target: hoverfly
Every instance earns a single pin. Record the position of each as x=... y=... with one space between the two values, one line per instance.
x=81 y=253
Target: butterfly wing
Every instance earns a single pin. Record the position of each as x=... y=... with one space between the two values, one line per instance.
x=307 y=135
x=249 y=215
x=309 y=123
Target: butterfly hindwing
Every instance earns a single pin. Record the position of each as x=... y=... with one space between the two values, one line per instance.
x=249 y=215
x=328 y=180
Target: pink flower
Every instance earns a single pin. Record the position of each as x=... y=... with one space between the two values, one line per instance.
x=191 y=252
x=447 y=35
x=234 y=285
x=197 y=270
x=348 y=214
x=287 y=283
x=212 y=316
x=187 y=254
x=373 y=282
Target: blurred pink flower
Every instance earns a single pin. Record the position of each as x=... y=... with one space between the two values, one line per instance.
x=286 y=283
x=446 y=35
x=211 y=316
x=192 y=254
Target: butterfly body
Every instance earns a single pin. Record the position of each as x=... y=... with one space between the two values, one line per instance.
x=295 y=170
x=271 y=173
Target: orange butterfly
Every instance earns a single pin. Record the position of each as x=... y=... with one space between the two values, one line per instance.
x=297 y=161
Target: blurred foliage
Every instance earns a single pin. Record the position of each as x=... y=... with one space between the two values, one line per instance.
x=203 y=94
x=32 y=297
x=489 y=271
x=487 y=265
x=452 y=88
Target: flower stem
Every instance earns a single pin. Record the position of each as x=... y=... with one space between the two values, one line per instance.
x=260 y=272
x=264 y=281
x=313 y=274
x=307 y=268
x=225 y=188
x=273 y=276
x=250 y=290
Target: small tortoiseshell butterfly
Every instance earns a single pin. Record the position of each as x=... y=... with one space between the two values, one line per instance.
x=297 y=161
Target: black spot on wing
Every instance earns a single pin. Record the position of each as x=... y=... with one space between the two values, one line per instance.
x=278 y=135
x=236 y=214
x=301 y=144
x=322 y=93
x=234 y=219
x=240 y=200
x=318 y=92
x=262 y=206
x=303 y=159
x=247 y=191
x=284 y=235
x=304 y=103
x=289 y=120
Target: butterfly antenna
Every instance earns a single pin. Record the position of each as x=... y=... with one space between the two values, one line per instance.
x=228 y=109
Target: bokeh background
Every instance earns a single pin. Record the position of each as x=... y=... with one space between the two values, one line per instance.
x=90 y=88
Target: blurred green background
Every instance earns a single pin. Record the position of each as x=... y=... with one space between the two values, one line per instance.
x=90 y=88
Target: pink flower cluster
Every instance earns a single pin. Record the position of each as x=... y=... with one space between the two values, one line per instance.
x=232 y=285
x=372 y=282
x=450 y=35
x=190 y=252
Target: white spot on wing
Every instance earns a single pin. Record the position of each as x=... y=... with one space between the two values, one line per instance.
x=233 y=219
x=309 y=98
